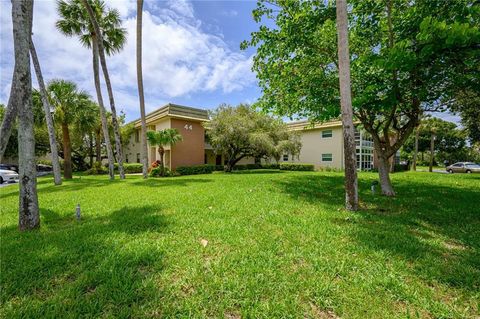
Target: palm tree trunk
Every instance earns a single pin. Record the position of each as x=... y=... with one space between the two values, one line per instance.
x=67 y=152
x=415 y=151
x=161 y=151
x=351 y=183
x=8 y=118
x=103 y=115
x=90 y=150
x=432 y=152
x=57 y=175
x=103 y=62
x=98 y=145
x=22 y=15
x=141 y=96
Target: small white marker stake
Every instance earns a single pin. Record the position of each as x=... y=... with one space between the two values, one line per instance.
x=78 y=214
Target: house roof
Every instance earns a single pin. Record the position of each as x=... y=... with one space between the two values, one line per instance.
x=307 y=125
x=175 y=111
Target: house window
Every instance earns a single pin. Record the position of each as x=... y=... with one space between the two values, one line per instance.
x=151 y=127
x=137 y=136
x=327 y=157
x=138 y=157
x=126 y=158
x=327 y=133
x=285 y=157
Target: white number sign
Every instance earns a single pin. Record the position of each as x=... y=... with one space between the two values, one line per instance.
x=188 y=127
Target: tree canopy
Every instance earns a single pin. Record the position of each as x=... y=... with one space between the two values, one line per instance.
x=239 y=132
x=407 y=58
x=450 y=141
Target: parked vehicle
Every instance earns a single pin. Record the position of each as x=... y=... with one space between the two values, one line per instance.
x=464 y=167
x=9 y=167
x=8 y=176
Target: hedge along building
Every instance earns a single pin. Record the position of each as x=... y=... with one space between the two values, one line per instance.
x=322 y=144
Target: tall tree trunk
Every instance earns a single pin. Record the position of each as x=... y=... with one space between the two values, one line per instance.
x=432 y=152
x=8 y=118
x=161 y=152
x=103 y=115
x=67 y=152
x=383 y=171
x=415 y=151
x=103 y=62
x=57 y=175
x=143 y=137
x=28 y=211
x=351 y=182
x=90 y=156
x=98 y=145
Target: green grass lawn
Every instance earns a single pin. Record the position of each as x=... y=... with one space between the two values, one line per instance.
x=280 y=245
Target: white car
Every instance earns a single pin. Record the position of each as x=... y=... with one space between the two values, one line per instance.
x=8 y=176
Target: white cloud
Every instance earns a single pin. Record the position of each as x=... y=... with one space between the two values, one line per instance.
x=179 y=59
x=182 y=7
x=230 y=13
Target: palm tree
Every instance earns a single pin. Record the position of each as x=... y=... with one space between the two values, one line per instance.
x=22 y=15
x=160 y=139
x=351 y=182
x=48 y=116
x=141 y=96
x=99 y=29
x=67 y=102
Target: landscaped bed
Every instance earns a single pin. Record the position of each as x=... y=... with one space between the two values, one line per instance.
x=250 y=244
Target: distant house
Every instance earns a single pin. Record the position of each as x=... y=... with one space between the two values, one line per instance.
x=322 y=144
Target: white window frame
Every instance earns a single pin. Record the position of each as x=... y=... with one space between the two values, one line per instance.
x=326 y=131
x=326 y=160
x=285 y=155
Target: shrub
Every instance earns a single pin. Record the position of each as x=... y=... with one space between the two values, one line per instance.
x=156 y=172
x=296 y=167
x=196 y=169
x=220 y=168
x=97 y=169
x=49 y=162
x=243 y=167
x=240 y=167
x=129 y=168
x=400 y=168
x=271 y=166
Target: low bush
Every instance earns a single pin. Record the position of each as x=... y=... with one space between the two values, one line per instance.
x=195 y=169
x=219 y=168
x=329 y=169
x=156 y=172
x=97 y=169
x=49 y=162
x=400 y=168
x=243 y=167
x=296 y=167
x=271 y=166
x=130 y=168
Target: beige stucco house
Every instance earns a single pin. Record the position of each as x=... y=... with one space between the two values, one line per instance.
x=322 y=144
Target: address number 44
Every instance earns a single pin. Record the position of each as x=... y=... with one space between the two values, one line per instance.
x=188 y=127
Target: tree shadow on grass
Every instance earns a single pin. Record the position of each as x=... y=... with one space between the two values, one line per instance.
x=434 y=228
x=259 y=171
x=97 y=266
x=170 y=181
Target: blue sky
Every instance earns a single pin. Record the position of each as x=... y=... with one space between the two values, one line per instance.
x=191 y=54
